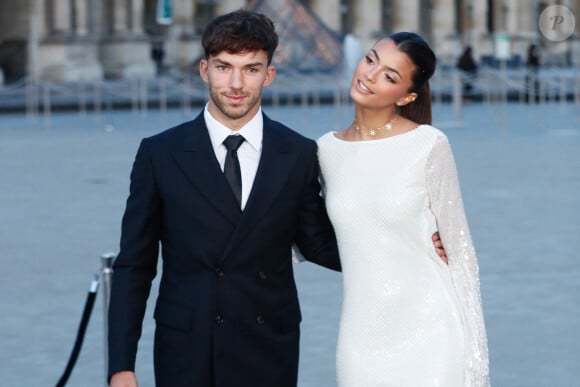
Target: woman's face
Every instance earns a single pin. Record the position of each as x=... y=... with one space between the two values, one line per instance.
x=383 y=77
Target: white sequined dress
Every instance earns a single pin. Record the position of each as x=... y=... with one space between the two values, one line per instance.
x=408 y=319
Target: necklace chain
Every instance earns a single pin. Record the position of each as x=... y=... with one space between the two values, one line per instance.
x=373 y=131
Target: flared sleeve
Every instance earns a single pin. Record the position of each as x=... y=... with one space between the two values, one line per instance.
x=447 y=205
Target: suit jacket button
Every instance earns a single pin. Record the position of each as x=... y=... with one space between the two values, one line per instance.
x=262 y=275
x=219 y=271
x=260 y=320
x=219 y=319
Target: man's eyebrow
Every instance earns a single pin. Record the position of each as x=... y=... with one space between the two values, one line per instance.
x=223 y=62
x=254 y=64
x=388 y=68
x=219 y=61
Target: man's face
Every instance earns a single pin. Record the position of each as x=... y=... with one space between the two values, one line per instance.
x=235 y=85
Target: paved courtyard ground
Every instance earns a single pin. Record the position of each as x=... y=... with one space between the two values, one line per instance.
x=64 y=181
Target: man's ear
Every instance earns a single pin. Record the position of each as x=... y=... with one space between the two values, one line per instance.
x=270 y=75
x=203 y=70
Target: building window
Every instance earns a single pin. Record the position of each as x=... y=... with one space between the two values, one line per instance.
x=425 y=19
x=490 y=13
x=205 y=10
x=459 y=17
x=387 y=17
x=346 y=10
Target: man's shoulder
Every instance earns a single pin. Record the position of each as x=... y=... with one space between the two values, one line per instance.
x=174 y=131
x=175 y=134
x=286 y=132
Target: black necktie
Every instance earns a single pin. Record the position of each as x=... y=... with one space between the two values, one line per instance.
x=232 y=165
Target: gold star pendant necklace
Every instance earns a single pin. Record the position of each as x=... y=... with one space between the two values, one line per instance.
x=373 y=131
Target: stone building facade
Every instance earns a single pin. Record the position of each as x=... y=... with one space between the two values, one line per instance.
x=71 y=40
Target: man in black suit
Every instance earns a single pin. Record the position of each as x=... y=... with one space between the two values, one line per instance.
x=227 y=313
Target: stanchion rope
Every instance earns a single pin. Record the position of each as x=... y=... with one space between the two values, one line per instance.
x=81 y=331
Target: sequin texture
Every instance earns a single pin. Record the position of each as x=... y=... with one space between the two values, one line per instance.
x=403 y=308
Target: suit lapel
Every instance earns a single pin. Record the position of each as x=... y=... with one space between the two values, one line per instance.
x=198 y=162
x=273 y=171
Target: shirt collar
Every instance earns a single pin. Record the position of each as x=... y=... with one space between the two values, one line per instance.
x=252 y=131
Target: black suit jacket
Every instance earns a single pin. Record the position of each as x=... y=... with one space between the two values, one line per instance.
x=227 y=313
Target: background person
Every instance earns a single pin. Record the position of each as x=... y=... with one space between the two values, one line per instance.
x=533 y=65
x=467 y=64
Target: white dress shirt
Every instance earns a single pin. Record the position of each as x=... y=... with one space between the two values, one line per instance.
x=248 y=153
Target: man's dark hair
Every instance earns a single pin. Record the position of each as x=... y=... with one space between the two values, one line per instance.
x=240 y=31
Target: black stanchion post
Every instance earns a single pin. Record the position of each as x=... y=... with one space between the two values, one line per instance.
x=107 y=276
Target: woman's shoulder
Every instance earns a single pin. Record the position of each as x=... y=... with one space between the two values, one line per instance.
x=326 y=137
x=433 y=132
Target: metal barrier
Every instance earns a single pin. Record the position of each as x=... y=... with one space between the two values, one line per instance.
x=107 y=278
x=104 y=277
x=490 y=86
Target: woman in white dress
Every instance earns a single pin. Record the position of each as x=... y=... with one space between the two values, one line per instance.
x=409 y=317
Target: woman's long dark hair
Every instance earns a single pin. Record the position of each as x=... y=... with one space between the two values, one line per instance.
x=425 y=61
